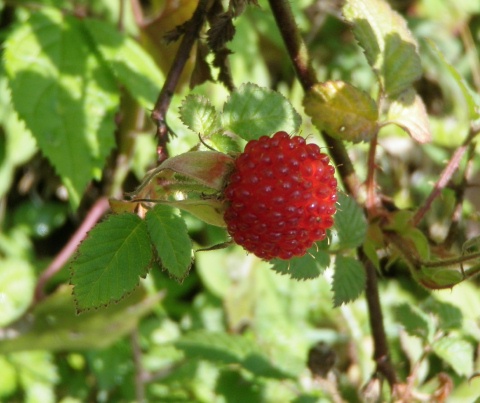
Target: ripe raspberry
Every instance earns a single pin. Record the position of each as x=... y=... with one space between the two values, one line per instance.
x=281 y=195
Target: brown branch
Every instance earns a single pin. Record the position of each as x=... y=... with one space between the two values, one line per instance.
x=159 y=113
x=96 y=212
x=445 y=177
x=452 y=234
x=381 y=353
x=299 y=56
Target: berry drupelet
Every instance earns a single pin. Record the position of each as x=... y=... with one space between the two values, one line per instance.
x=281 y=196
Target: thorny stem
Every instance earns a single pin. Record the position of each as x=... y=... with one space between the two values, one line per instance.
x=299 y=56
x=459 y=196
x=445 y=177
x=381 y=353
x=159 y=113
x=96 y=212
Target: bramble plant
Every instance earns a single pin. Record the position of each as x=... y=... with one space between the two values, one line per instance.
x=266 y=201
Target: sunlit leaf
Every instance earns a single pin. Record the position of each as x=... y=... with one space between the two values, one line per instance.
x=389 y=45
x=408 y=111
x=64 y=93
x=253 y=111
x=110 y=261
x=342 y=110
x=458 y=353
x=199 y=115
x=132 y=65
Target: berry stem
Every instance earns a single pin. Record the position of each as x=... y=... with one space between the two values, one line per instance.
x=159 y=113
x=299 y=56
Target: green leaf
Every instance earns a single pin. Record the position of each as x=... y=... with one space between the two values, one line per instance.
x=414 y=320
x=17 y=281
x=348 y=280
x=350 y=224
x=110 y=261
x=133 y=67
x=389 y=45
x=342 y=110
x=408 y=112
x=309 y=266
x=253 y=111
x=199 y=115
x=449 y=316
x=52 y=324
x=223 y=348
x=456 y=352
x=65 y=95
x=18 y=145
x=169 y=235
x=472 y=99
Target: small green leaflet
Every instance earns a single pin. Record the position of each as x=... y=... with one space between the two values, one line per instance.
x=169 y=236
x=348 y=280
x=110 y=261
x=253 y=111
x=309 y=266
x=131 y=64
x=456 y=352
x=64 y=93
x=342 y=110
x=223 y=348
x=199 y=115
x=389 y=45
x=350 y=224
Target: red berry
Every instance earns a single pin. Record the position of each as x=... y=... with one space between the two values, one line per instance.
x=281 y=196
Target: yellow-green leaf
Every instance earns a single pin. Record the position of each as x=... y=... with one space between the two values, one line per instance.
x=342 y=110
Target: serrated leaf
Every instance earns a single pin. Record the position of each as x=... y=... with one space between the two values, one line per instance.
x=65 y=95
x=350 y=225
x=199 y=115
x=253 y=111
x=169 y=235
x=456 y=352
x=389 y=45
x=132 y=65
x=342 y=110
x=408 y=112
x=414 y=320
x=110 y=261
x=348 y=280
x=223 y=348
x=309 y=266
x=472 y=98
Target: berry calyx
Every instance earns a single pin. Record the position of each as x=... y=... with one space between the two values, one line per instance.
x=281 y=196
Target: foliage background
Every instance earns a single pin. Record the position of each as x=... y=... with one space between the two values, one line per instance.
x=233 y=330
